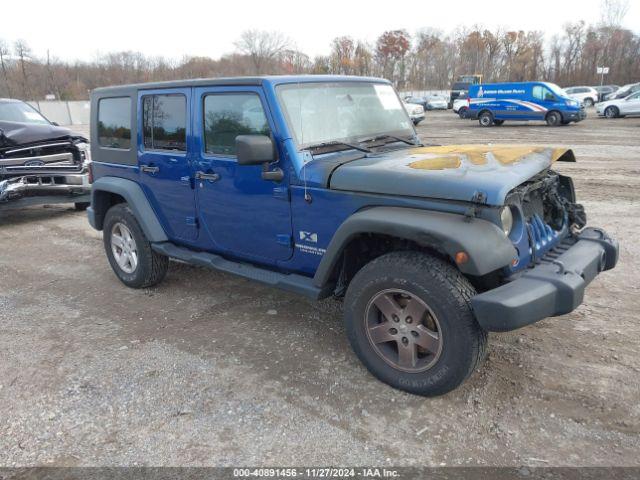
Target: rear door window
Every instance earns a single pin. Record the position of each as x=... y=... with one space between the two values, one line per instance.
x=114 y=122
x=227 y=115
x=164 y=122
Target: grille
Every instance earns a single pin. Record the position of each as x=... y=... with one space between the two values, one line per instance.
x=542 y=236
x=62 y=152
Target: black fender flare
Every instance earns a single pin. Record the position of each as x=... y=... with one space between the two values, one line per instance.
x=486 y=244
x=135 y=198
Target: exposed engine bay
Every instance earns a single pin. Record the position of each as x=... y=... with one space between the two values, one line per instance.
x=551 y=196
x=547 y=215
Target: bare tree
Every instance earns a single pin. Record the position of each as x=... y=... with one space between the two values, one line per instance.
x=4 y=52
x=262 y=46
x=431 y=59
x=23 y=52
x=613 y=12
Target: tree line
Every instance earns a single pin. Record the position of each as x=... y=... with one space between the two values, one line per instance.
x=428 y=59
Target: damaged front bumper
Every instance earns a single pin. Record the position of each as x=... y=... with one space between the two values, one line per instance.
x=30 y=185
x=555 y=286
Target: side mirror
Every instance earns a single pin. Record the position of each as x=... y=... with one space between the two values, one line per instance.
x=254 y=149
x=55 y=124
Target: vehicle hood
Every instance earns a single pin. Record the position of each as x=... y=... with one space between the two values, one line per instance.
x=14 y=133
x=616 y=102
x=454 y=172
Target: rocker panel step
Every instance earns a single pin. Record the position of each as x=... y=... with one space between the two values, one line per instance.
x=290 y=282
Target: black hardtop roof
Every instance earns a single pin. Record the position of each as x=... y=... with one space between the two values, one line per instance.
x=197 y=82
x=231 y=81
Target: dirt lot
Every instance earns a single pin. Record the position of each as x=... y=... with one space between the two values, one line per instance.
x=209 y=369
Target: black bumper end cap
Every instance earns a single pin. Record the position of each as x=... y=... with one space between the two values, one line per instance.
x=550 y=289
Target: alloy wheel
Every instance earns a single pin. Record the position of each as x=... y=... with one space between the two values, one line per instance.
x=124 y=248
x=403 y=330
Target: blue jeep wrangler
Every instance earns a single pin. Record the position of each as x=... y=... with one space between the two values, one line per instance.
x=319 y=185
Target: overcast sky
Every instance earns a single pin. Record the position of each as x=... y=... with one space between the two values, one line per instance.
x=80 y=29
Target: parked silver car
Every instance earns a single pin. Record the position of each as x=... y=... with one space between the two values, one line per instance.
x=620 y=107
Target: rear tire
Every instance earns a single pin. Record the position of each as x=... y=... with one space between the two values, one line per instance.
x=588 y=102
x=462 y=112
x=81 y=206
x=430 y=354
x=129 y=251
x=485 y=119
x=554 y=119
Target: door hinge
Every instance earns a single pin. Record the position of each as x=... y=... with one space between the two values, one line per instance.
x=284 y=239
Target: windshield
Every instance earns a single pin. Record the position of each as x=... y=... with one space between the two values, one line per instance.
x=342 y=111
x=21 y=112
x=556 y=90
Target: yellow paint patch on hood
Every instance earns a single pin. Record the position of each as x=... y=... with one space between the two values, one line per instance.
x=437 y=163
x=449 y=156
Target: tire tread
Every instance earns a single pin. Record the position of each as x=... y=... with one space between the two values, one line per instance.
x=458 y=287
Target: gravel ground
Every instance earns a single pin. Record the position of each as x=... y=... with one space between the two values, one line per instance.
x=210 y=369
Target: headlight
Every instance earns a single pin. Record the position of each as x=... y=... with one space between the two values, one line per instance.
x=506 y=218
x=85 y=151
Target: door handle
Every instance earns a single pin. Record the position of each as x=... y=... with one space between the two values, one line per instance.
x=149 y=169
x=212 y=177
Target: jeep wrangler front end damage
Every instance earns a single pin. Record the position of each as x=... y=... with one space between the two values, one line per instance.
x=319 y=185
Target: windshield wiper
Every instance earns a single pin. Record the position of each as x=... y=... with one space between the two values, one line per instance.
x=339 y=143
x=385 y=136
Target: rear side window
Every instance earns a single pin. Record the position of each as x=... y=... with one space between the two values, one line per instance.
x=228 y=115
x=164 y=122
x=114 y=122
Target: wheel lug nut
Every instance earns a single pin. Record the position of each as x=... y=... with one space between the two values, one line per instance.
x=393 y=331
x=395 y=318
x=405 y=340
x=408 y=319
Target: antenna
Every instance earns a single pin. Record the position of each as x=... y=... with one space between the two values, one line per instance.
x=307 y=195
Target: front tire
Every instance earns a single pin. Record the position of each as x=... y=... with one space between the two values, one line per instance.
x=129 y=251
x=409 y=320
x=612 y=112
x=554 y=119
x=588 y=102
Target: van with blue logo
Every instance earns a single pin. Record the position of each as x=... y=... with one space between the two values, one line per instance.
x=493 y=103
